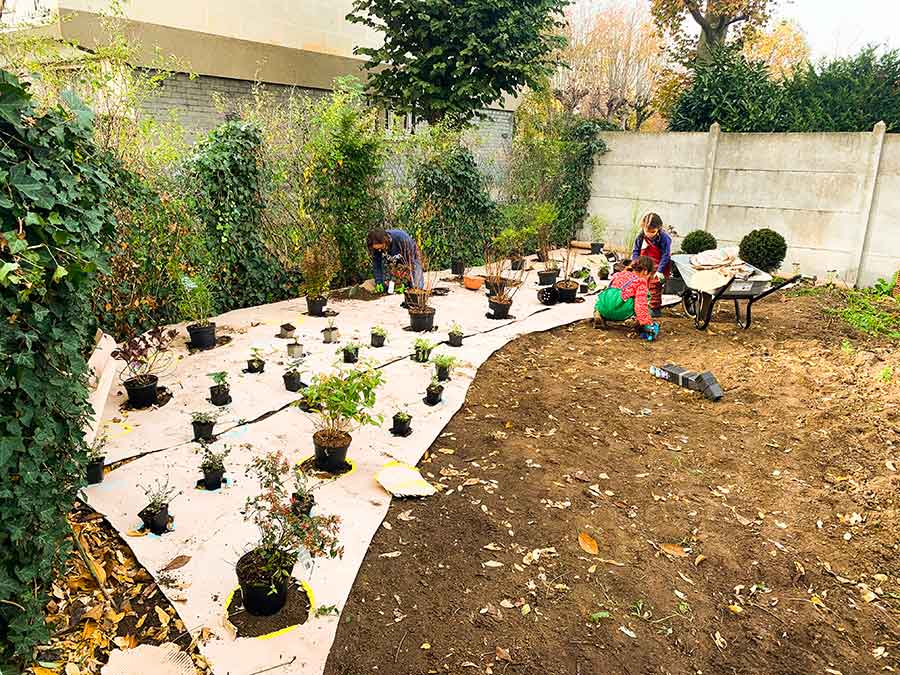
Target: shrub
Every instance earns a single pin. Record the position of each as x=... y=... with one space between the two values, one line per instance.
x=698 y=241
x=764 y=249
x=319 y=265
x=55 y=222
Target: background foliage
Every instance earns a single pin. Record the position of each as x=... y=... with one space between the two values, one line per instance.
x=55 y=222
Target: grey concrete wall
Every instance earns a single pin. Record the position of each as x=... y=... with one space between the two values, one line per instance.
x=834 y=197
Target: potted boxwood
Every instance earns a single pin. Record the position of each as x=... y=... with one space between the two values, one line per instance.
x=196 y=303
x=155 y=515
x=96 y=460
x=293 y=376
x=220 y=391
x=255 y=364
x=402 y=423
x=456 y=335
x=330 y=333
x=318 y=265
x=350 y=352
x=443 y=365
x=433 y=392
x=264 y=572
x=203 y=423
x=146 y=357
x=213 y=467
x=343 y=400
x=379 y=335
x=422 y=350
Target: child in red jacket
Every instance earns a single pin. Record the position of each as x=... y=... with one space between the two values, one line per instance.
x=656 y=244
x=627 y=295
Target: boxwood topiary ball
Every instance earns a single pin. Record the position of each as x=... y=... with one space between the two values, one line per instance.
x=764 y=249
x=698 y=241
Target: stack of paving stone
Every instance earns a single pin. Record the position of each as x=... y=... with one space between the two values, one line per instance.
x=704 y=383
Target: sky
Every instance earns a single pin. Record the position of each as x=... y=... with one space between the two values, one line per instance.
x=841 y=27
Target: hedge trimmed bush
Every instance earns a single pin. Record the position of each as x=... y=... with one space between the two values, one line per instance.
x=54 y=225
x=764 y=249
x=698 y=241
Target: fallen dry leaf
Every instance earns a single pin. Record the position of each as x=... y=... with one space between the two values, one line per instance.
x=673 y=550
x=588 y=543
x=492 y=563
x=503 y=654
x=164 y=618
x=392 y=554
x=176 y=563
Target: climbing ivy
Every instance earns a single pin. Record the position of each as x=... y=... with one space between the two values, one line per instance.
x=54 y=224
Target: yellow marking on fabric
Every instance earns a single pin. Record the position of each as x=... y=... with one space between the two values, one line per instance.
x=268 y=636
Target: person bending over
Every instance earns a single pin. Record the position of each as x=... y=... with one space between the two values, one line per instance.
x=656 y=244
x=627 y=296
x=395 y=257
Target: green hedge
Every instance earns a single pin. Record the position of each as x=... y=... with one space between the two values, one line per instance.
x=55 y=223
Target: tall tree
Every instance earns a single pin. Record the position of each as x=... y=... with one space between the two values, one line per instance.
x=715 y=19
x=447 y=59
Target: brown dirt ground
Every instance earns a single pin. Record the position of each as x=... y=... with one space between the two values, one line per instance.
x=783 y=497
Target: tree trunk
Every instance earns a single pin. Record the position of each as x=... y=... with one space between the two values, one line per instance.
x=712 y=36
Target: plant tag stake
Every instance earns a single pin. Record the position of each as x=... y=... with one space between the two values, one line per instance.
x=391 y=287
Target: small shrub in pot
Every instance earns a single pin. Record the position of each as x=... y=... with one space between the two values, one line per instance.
x=220 y=391
x=330 y=333
x=203 y=423
x=293 y=376
x=379 y=335
x=343 y=400
x=401 y=426
x=698 y=241
x=434 y=392
x=213 y=467
x=146 y=357
x=96 y=460
x=155 y=515
x=319 y=264
x=443 y=366
x=422 y=350
x=264 y=572
x=255 y=364
x=196 y=303
x=456 y=335
x=350 y=352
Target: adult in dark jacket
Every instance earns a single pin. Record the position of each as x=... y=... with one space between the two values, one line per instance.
x=395 y=255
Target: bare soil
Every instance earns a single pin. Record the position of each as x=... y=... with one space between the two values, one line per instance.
x=754 y=535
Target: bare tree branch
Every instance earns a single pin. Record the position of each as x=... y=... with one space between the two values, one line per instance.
x=697 y=13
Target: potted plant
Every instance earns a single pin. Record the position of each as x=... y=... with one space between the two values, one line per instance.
x=330 y=333
x=287 y=331
x=264 y=572
x=350 y=352
x=203 y=423
x=512 y=239
x=456 y=335
x=343 y=400
x=433 y=392
x=196 y=303
x=293 y=376
x=598 y=229
x=302 y=498
x=505 y=288
x=155 y=515
x=568 y=287
x=213 y=467
x=220 y=391
x=295 y=349
x=379 y=335
x=318 y=265
x=146 y=357
x=443 y=365
x=422 y=350
x=548 y=275
x=457 y=267
x=401 y=427
x=255 y=363
x=421 y=313
x=96 y=460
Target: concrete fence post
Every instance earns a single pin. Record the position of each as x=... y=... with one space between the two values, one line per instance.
x=709 y=175
x=868 y=198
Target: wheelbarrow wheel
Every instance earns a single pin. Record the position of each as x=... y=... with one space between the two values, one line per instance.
x=689 y=302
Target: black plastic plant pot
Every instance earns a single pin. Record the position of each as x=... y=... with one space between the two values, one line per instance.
x=567 y=290
x=259 y=600
x=330 y=456
x=603 y=274
x=203 y=431
x=596 y=247
x=142 y=394
x=302 y=506
x=583 y=288
x=351 y=355
x=293 y=381
x=256 y=366
x=212 y=480
x=377 y=340
x=547 y=277
x=457 y=267
x=401 y=425
x=95 y=470
x=456 y=339
x=202 y=337
x=422 y=321
x=433 y=395
x=443 y=373
x=219 y=394
x=316 y=306
x=155 y=521
x=517 y=264
x=499 y=309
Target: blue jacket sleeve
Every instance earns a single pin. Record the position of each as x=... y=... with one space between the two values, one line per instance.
x=665 y=245
x=639 y=240
x=378 y=267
